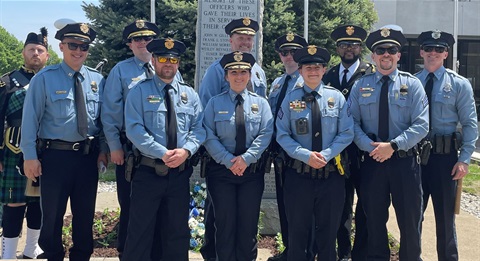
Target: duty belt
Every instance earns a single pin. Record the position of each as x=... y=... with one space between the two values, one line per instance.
x=305 y=169
x=160 y=166
x=64 y=145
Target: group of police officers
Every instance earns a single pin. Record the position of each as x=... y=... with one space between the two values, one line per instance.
x=403 y=128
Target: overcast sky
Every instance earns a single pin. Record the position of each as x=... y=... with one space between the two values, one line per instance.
x=20 y=17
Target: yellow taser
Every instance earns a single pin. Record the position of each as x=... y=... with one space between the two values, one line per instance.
x=338 y=162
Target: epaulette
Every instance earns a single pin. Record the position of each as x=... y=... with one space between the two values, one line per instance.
x=253 y=94
x=298 y=86
x=184 y=83
x=333 y=88
x=454 y=73
x=49 y=68
x=405 y=73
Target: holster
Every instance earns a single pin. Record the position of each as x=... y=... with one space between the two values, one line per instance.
x=205 y=159
x=132 y=159
x=425 y=149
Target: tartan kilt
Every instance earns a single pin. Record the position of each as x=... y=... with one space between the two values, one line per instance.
x=12 y=184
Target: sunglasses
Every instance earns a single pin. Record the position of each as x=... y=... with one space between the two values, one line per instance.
x=437 y=49
x=74 y=46
x=161 y=59
x=391 y=50
x=285 y=53
x=353 y=46
x=140 y=38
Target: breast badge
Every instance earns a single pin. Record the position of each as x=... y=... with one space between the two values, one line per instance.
x=447 y=87
x=184 y=97
x=403 y=90
x=93 y=86
x=254 y=108
x=331 y=102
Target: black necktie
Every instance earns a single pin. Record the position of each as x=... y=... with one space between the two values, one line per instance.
x=82 y=123
x=428 y=90
x=383 y=111
x=148 y=70
x=171 y=120
x=344 y=79
x=241 y=138
x=281 y=96
x=316 y=124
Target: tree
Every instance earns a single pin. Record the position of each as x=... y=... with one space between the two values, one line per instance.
x=11 y=53
x=177 y=18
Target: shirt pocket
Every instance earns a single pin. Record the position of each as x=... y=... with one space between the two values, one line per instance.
x=446 y=104
x=224 y=124
x=155 y=116
x=253 y=122
x=185 y=117
x=63 y=103
x=400 y=110
x=368 y=107
x=93 y=105
x=330 y=119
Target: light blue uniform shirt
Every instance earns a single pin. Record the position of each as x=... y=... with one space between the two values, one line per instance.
x=337 y=126
x=49 y=110
x=219 y=122
x=452 y=103
x=121 y=79
x=214 y=82
x=407 y=103
x=295 y=80
x=146 y=114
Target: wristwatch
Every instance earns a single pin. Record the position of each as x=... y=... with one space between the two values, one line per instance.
x=394 y=145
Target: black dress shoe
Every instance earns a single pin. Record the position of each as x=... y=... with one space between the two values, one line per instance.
x=210 y=259
x=280 y=257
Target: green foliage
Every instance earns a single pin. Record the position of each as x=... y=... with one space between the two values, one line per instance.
x=260 y=225
x=471 y=182
x=279 y=242
x=10 y=52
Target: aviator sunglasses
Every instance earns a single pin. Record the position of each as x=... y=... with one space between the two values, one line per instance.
x=140 y=38
x=353 y=46
x=161 y=59
x=430 y=49
x=391 y=50
x=74 y=46
x=285 y=53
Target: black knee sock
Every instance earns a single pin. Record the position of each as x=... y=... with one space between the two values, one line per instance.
x=34 y=215
x=12 y=221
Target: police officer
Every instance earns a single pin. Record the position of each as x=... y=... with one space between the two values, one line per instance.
x=13 y=87
x=61 y=115
x=163 y=119
x=285 y=45
x=121 y=79
x=451 y=103
x=313 y=127
x=242 y=33
x=239 y=127
x=390 y=112
x=349 y=39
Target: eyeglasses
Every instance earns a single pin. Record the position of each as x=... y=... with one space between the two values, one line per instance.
x=437 y=49
x=161 y=59
x=140 y=38
x=74 y=46
x=391 y=50
x=353 y=46
x=285 y=53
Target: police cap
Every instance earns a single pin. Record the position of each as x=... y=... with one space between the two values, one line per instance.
x=140 y=28
x=349 y=33
x=237 y=61
x=33 y=38
x=242 y=26
x=435 y=38
x=290 y=41
x=312 y=55
x=166 y=47
x=385 y=36
x=77 y=31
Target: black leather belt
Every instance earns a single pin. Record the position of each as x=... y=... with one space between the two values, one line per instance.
x=64 y=145
x=155 y=163
x=305 y=169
